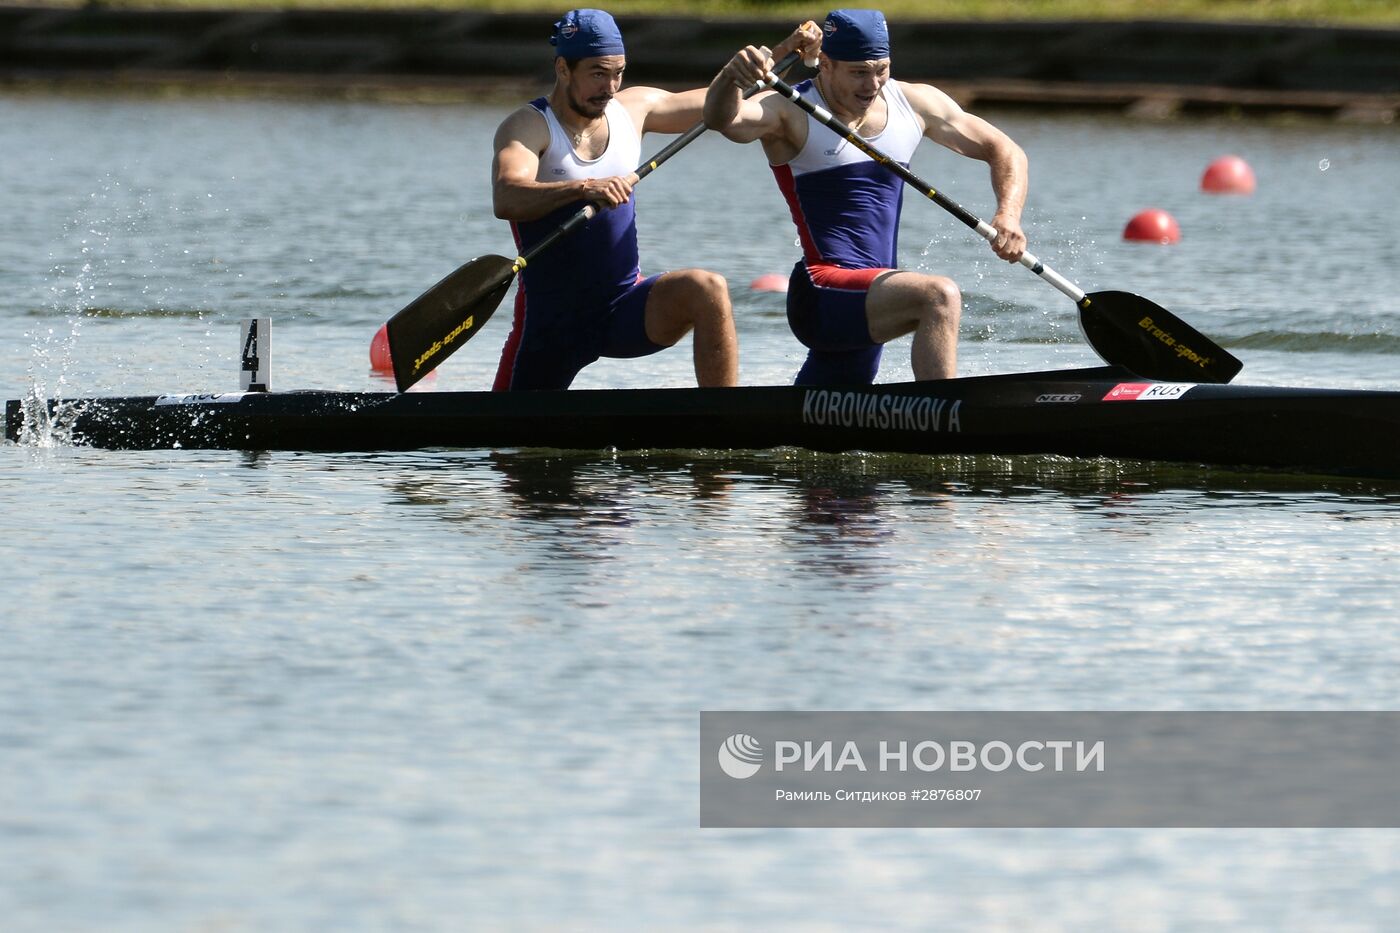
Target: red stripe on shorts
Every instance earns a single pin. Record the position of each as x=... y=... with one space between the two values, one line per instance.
x=825 y=275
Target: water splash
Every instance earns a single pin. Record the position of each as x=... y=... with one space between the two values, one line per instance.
x=47 y=423
x=47 y=418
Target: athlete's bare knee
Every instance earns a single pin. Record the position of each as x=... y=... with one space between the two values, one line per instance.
x=943 y=292
x=709 y=287
x=708 y=297
x=944 y=299
x=686 y=300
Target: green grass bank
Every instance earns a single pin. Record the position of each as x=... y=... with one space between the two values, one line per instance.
x=1334 y=12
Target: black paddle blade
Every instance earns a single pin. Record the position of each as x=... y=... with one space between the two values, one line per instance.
x=1145 y=338
x=439 y=321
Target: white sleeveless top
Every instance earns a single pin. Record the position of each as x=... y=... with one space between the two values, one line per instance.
x=845 y=205
x=560 y=162
x=824 y=149
x=602 y=254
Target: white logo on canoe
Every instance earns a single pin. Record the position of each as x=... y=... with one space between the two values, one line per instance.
x=887 y=412
x=217 y=398
x=1159 y=391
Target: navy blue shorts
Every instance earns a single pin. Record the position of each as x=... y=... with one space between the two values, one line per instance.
x=826 y=311
x=546 y=351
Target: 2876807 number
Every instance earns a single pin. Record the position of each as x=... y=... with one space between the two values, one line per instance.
x=934 y=794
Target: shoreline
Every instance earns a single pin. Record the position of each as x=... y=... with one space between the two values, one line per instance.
x=1145 y=69
x=1139 y=101
x=1358 y=13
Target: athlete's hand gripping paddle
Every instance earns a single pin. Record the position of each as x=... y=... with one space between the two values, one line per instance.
x=1124 y=329
x=436 y=323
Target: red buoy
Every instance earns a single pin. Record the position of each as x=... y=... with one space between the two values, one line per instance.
x=379 y=359
x=1153 y=225
x=1228 y=175
x=770 y=282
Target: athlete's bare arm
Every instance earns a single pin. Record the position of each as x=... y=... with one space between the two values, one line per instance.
x=949 y=125
x=516 y=195
x=658 y=111
x=766 y=117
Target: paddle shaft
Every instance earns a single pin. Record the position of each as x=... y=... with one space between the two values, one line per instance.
x=984 y=229
x=436 y=324
x=589 y=211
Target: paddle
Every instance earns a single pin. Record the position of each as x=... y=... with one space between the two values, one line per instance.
x=436 y=323
x=1124 y=329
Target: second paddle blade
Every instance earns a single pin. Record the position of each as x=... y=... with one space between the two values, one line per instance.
x=1142 y=336
x=439 y=321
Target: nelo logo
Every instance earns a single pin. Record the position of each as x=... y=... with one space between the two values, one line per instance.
x=740 y=756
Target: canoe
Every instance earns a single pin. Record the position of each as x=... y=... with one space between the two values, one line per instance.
x=1097 y=412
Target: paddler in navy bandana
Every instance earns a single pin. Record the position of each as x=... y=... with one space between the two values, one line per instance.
x=846 y=297
x=584 y=298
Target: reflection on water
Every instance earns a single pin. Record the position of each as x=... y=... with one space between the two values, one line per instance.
x=835 y=499
x=697 y=532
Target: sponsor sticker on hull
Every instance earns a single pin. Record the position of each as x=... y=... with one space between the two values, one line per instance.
x=1148 y=391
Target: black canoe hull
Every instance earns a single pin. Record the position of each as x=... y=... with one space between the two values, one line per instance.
x=1102 y=412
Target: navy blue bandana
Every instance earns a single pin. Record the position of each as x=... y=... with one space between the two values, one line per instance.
x=586 y=34
x=856 y=36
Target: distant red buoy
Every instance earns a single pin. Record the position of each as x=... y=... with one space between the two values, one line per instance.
x=1153 y=225
x=1228 y=175
x=379 y=359
x=770 y=282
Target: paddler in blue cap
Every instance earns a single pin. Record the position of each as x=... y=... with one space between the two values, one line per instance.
x=847 y=297
x=585 y=298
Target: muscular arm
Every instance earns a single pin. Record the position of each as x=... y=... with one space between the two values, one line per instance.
x=676 y=113
x=516 y=195
x=764 y=116
x=663 y=111
x=967 y=134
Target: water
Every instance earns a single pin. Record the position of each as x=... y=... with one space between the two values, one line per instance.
x=460 y=688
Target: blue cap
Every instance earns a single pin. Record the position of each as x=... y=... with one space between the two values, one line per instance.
x=856 y=36
x=586 y=34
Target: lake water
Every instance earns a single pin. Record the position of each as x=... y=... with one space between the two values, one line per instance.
x=461 y=688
